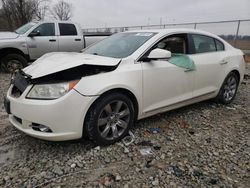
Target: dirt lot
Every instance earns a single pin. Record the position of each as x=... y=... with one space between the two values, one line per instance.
x=241 y=44
x=247 y=59
x=202 y=145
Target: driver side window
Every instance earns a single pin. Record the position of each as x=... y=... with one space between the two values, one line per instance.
x=46 y=29
x=174 y=43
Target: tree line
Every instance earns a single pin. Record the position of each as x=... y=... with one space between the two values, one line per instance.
x=231 y=37
x=15 y=13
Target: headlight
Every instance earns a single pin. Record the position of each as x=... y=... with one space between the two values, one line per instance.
x=51 y=91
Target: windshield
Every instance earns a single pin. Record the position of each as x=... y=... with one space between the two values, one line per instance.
x=120 y=45
x=23 y=29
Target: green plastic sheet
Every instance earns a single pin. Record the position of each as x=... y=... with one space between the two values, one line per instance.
x=182 y=60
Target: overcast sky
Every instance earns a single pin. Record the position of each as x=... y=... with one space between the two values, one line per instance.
x=108 y=13
x=100 y=13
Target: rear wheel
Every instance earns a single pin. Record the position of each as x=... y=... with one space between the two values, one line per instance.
x=228 y=89
x=12 y=62
x=109 y=119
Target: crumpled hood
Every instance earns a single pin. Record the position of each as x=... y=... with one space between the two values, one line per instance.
x=58 y=61
x=8 y=35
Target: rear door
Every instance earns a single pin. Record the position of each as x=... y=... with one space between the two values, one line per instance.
x=209 y=57
x=44 y=43
x=69 y=39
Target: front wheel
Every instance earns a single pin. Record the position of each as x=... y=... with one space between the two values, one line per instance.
x=228 y=89
x=109 y=119
x=12 y=62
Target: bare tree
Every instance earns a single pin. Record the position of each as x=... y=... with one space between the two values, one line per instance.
x=62 y=10
x=42 y=9
x=4 y=24
x=19 y=12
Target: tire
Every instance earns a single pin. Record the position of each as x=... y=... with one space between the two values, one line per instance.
x=228 y=89
x=12 y=62
x=109 y=119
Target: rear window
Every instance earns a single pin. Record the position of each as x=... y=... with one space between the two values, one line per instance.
x=67 y=29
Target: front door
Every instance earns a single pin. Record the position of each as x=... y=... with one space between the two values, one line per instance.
x=44 y=43
x=164 y=83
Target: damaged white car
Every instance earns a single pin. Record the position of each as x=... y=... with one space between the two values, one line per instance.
x=102 y=91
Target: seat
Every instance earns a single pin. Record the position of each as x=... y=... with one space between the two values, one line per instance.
x=175 y=47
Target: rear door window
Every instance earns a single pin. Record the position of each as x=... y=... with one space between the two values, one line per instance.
x=67 y=29
x=219 y=45
x=203 y=43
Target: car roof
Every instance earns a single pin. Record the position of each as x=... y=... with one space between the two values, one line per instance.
x=175 y=30
x=55 y=21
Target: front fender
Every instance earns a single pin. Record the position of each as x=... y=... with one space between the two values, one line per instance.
x=16 y=44
x=127 y=77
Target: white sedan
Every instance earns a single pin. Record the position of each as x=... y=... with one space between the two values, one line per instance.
x=102 y=91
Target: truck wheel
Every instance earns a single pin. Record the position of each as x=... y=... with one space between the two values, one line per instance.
x=228 y=89
x=109 y=119
x=12 y=62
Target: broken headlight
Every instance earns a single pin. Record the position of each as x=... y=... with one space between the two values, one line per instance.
x=51 y=91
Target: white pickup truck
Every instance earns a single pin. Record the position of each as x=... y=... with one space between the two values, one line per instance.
x=35 y=39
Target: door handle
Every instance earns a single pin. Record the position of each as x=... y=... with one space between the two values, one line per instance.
x=52 y=40
x=78 y=39
x=224 y=63
x=188 y=70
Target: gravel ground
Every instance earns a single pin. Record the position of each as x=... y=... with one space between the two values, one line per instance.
x=202 y=145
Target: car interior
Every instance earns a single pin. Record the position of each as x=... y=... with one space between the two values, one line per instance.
x=174 y=44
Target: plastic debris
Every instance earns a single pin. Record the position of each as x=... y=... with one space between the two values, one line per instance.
x=154 y=130
x=230 y=108
x=128 y=139
x=146 y=151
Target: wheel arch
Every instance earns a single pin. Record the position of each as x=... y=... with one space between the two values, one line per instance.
x=219 y=97
x=124 y=91
x=237 y=73
x=5 y=51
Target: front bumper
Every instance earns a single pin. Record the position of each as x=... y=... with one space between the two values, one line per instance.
x=64 y=116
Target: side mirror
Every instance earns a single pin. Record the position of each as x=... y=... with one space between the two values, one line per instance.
x=159 y=54
x=34 y=34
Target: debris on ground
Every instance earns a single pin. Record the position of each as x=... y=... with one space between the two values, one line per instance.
x=201 y=145
x=127 y=140
x=146 y=151
x=107 y=180
x=153 y=130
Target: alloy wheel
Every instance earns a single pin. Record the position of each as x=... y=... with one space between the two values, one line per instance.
x=13 y=65
x=230 y=88
x=113 y=120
